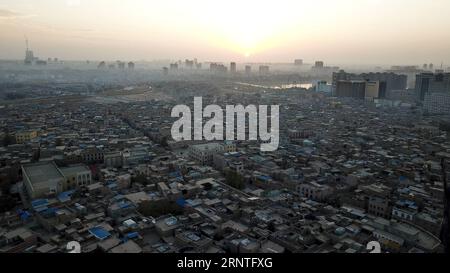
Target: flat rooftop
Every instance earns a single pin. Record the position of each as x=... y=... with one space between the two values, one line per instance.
x=42 y=174
x=70 y=170
x=206 y=146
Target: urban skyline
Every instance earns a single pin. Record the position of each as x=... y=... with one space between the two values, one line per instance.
x=252 y=128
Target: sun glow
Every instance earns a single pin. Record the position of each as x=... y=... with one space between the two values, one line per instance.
x=238 y=30
x=246 y=27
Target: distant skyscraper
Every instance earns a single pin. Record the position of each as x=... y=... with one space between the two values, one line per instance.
x=165 y=71
x=215 y=67
x=319 y=64
x=130 y=65
x=174 y=66
x=248 y=69
x=121 y=65
x=189 y=63
x=298 y=62
x=29 y=55
x=233 y=67
x=263 y=69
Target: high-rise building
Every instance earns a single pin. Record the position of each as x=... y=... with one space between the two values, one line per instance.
x=189 y=63
x=264 y=69
x=298 y=62
x=320 y=68
x=165 y=71
x=174 y=66
x=372 y=89
x=215 y=67
x=387 y=81
x=351 y=89
x=248 y=69
x=130 y=65
x=233 y=67
x=29 y=55
x=121 y=65
x=319 y=64
x=432 y=83
x=437 y=103
x=323 y=86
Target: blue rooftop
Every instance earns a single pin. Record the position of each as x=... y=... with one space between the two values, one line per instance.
x=65 y=196
x=264 y=177
x=124 y=205
x=112 y=185
x=407 y=203
x=118 y=197
x=49 y=212
x=181 y=202
x=175 y=174
x=24 y=215
x=39 y=202
x=132 y=235
x=99 y=233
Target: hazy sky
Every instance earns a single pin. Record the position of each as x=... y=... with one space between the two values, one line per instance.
x=336 y=31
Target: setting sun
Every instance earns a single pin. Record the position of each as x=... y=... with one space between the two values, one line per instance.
x=246 y=27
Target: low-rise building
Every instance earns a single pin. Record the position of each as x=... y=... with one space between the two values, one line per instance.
x=46 y=178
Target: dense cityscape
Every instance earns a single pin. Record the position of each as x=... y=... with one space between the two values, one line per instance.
x=87 y=156
x=224 y=135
